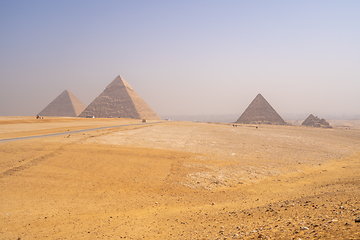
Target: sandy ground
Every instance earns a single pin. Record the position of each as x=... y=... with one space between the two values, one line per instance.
x=30 y=126
x=178 y=180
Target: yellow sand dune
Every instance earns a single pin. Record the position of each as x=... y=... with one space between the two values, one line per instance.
x=177 y=180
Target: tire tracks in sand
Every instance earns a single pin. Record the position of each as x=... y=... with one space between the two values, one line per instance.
x=57 y=151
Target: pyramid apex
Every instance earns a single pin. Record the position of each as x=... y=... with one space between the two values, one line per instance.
x=119 y=82
x=119 y=76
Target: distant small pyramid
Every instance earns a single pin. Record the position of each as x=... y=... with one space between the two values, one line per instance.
x=310 y=119
x=119 y=100
x=65 y=105
x=313 y=121
x=260 y=112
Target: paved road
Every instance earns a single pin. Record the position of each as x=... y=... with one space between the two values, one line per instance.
x=69 y=132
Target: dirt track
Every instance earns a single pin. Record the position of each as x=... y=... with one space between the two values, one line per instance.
x=178 y=180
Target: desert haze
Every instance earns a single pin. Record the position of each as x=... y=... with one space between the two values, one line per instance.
x=178 y=180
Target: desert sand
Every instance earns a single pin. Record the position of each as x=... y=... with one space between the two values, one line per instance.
x=178 y=180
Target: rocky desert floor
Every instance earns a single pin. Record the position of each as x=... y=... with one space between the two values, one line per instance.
x=178 y=180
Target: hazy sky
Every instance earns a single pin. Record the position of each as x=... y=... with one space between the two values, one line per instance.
x=183 y=57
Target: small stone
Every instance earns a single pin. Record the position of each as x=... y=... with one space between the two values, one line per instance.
x=304 y=228
x=212 y=203
x=357 y=219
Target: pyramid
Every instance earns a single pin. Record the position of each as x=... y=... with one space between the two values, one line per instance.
x=65 y=105
x=313 y=121
x=119 y=100
x=309 y=120
x=260 y=112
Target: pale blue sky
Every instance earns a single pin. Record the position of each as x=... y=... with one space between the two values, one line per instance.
x=184 y=57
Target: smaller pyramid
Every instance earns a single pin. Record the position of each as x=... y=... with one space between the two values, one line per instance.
x=65 y=105
x=313 y=121
x=119 y=100
x=260 y=112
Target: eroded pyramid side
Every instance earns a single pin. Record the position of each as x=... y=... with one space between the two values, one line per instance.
x=144 y=111
x=64 y=105
x=260 y=112
x=119 y=100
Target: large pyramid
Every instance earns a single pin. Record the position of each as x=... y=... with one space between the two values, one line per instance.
x=119 y=100
x=65 y=105
x=313 y=121
x=260 y=112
